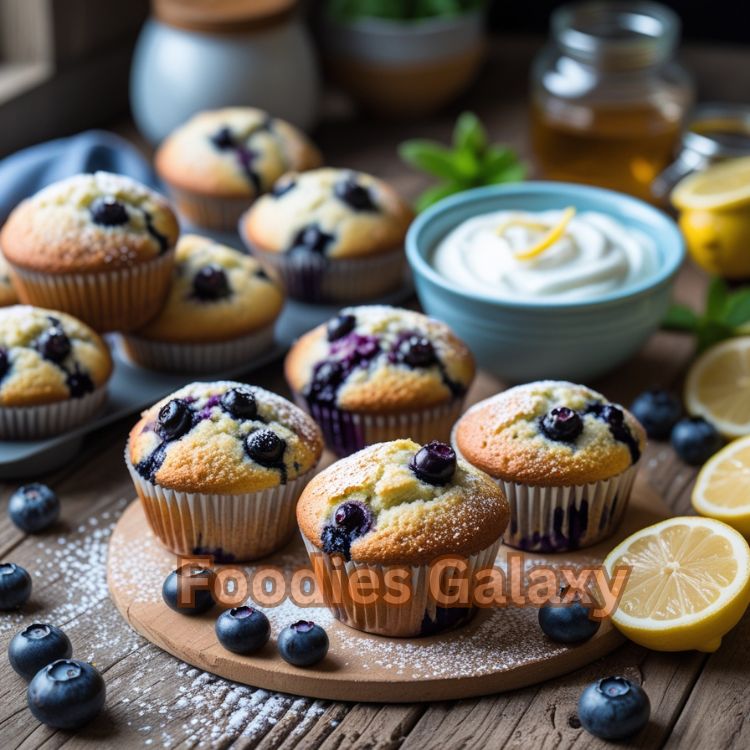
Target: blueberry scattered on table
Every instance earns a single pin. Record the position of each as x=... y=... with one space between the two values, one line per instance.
x=568 y=622
x=613 y=708
x=243 y=630
x=658 y=411
x=562 y=424
x=434 y=463
x=66 y=694
x=34 y=507
x=37 y=646
x=695 y=440
x=15 y=586
x=177 y=583
x=303 y=643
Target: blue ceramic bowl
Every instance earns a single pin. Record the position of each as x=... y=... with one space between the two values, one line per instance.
x=528 y=340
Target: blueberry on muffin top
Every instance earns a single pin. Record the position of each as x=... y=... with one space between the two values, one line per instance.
x=376 y=358
x=337 y=213
x=233 y=152
x=89 y=222
x=400 y=502
x=48 y=356
x=223 y=437
x=550 y=433
x=218 y=293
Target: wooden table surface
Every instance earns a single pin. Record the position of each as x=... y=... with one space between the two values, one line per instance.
x=698 y=700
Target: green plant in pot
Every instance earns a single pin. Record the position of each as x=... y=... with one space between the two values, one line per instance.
x=403 y=58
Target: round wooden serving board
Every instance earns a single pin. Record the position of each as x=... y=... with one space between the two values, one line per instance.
x=501 y=649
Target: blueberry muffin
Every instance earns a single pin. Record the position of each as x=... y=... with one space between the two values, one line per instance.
x=220 y=161
x=97 y=246
x=565 y=457
x=8 y=294
x=399 y=506
x=219 y=467
x=376 y=373
x=331 y=235
x=53 y=372
x=220 y=312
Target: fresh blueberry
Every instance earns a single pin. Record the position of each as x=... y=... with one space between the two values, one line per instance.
x=4 y=362
x=109 y=212
x=211 y=283
x=340 y=326
x=336 y=541
x=658 y=411
x=355 y=195
x=53 y=344
x=354 y=518
x=414 y=350
x=282 y=187
x=303 y=643
x=240 y=403
x=243 y=630
x=265 y=447
x=618 y=427
x=434 y=463
x=613 y=708
x=66 y=694
x=324 y=386
x=15 y=586
x=567 y=622
x=311 y=239
x=695 y=440
x=33 y=508
x=186 y=584
x=175 y=419
x=223 y=139
x=562 y=424
x=36 y=647
x=79 y=383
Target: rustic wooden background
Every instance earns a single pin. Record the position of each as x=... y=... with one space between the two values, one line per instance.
x=698 y=701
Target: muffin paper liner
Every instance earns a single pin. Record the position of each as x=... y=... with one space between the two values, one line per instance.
x=347 y=432
x=118 y=300
x=208 y=211
x=420 y=615
x=32 y=422
x=231 y=528
x=198 y=358
x=310 y=277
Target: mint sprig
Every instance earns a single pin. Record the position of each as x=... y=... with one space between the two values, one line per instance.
x=399 y=10
x=470 y=161
x=726 y=314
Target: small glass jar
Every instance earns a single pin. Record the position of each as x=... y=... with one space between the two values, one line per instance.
x=608 y=97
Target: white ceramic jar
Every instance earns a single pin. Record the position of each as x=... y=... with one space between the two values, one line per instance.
x=193 y=56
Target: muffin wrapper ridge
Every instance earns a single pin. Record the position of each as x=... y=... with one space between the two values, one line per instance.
x=198 y=358
x=310 y=277
x=347 y=432
x=31 y=422
x=421 y=615
x=231 y=528
x=118 y=300
x=208 y=211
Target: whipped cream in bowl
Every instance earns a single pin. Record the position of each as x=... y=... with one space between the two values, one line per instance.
x=544 y=256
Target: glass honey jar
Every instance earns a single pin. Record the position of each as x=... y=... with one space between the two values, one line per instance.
x=608 y=98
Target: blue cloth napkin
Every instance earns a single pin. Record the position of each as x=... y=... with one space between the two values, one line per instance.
x=25 y=172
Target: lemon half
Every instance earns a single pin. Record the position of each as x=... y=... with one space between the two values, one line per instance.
x=722 y=186
x=689 y=583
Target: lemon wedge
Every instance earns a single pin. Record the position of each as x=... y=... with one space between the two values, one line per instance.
x=722 y=490
x=689 y=583
x=718 y=387
x=553 y=234
x=725 y=185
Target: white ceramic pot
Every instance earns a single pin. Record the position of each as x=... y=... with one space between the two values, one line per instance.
x=177 y=72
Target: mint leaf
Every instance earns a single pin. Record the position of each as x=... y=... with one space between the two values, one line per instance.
x=680 y=318
x=514 y=173
x=716 y=298
x=711 y=332
x=737 y=308
x=431 y=157
x=469 y=134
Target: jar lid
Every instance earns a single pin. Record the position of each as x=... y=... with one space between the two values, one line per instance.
x=222 y=15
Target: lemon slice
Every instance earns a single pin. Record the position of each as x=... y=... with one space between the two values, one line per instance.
x=689 y=583
x=725 y=185
x=553 y=234
x=718 y=387
x=722 y=490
